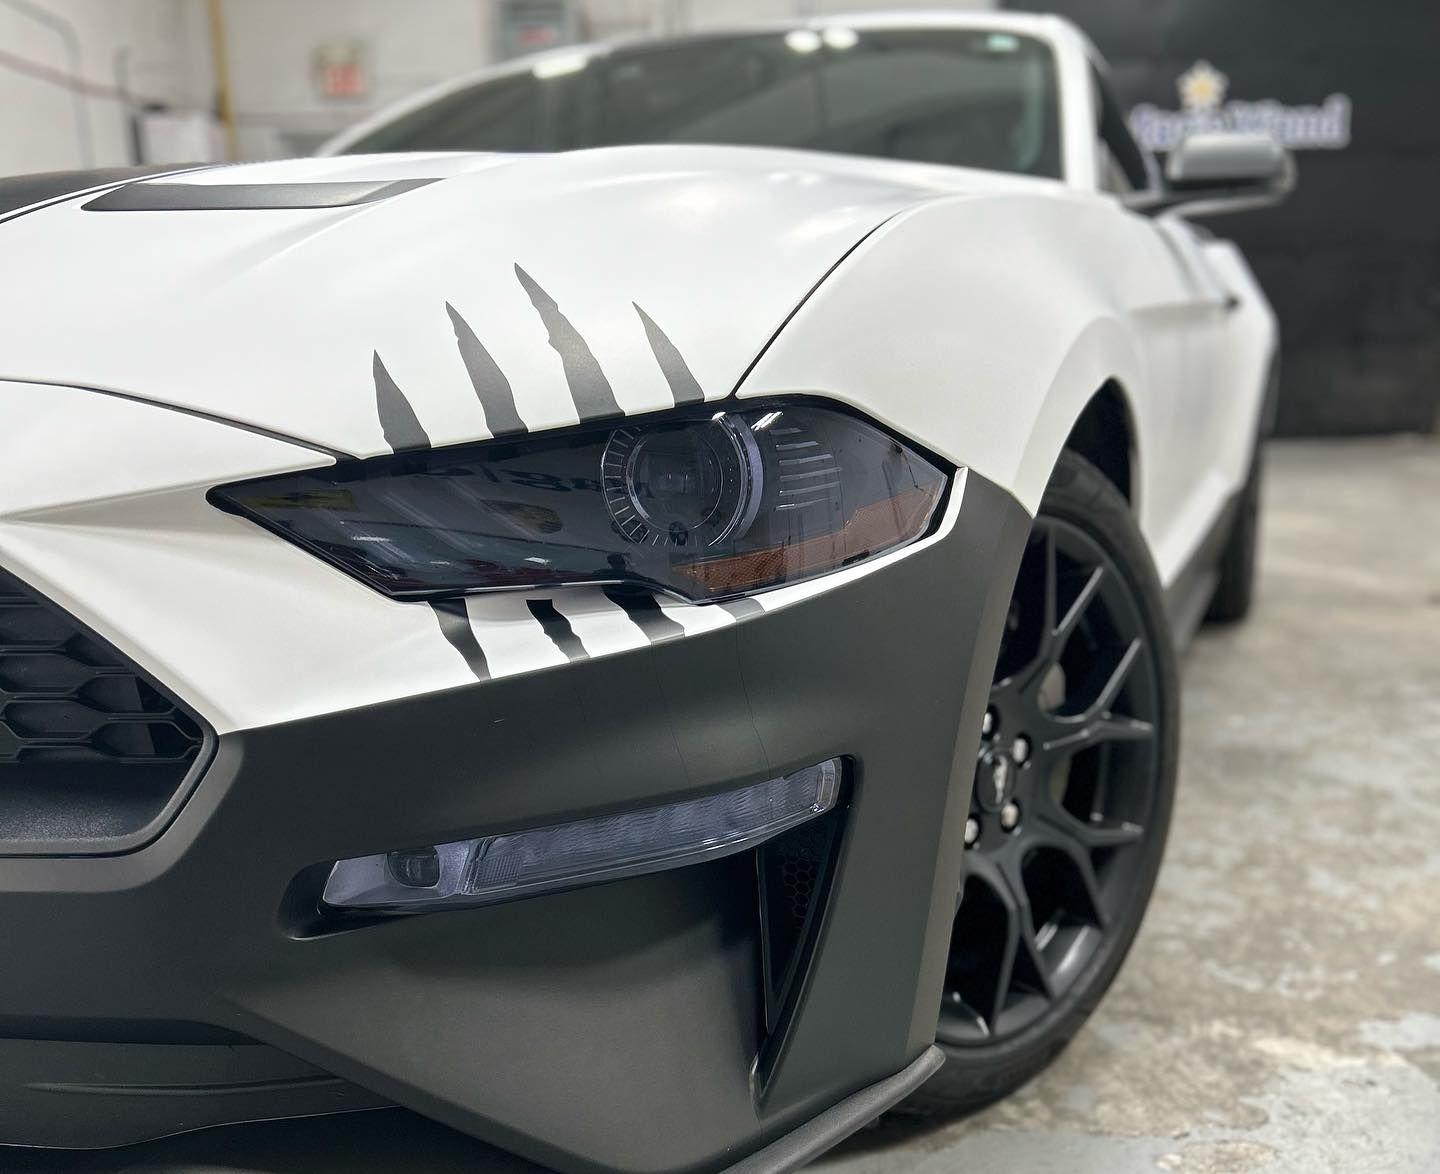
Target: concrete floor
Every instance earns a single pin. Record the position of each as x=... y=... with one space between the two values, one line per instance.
x=1280 y=1010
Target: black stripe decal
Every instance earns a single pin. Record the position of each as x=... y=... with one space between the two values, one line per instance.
x=683 y=384
x=557 y=627
x=22 y=194
x=492 y=389
x=644 y=609
x=397 y=418
x=589 y=388
x=236 y=197
x=743 y=608
x=455 y=627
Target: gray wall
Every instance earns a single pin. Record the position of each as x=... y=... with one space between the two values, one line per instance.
x=58 y=112
x=405 y=46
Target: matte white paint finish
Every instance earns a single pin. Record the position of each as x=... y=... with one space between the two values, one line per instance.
x=271 y=317
x=244 y=627
x=977 y=313
x=984 y=325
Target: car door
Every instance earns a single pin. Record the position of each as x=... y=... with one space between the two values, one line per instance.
x=1177 y=310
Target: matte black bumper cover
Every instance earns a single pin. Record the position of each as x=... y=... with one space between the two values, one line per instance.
x=610 y=1028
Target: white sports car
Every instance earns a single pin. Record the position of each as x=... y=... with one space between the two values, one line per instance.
x=638 y=652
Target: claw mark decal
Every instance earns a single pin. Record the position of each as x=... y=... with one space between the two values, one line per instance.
x=397 y=418
x=683 y=385
x=497 y=400
x=557 y=627
x=505 y=633
x=589 y=388
x=646 y=613
x=741 y=608
x=455 y=627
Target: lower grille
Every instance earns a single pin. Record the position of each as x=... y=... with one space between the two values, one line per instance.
x=91 y=750
x=794 y=873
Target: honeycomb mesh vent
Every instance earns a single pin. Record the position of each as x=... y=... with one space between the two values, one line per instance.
x=65 y=697
x=80 y=728
x=794 y=871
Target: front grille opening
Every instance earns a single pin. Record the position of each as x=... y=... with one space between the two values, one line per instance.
x=92 y=752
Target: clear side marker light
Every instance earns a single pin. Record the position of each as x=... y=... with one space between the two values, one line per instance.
x=564 y=856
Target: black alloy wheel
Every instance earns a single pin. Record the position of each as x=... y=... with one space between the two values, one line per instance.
x=1073 y=787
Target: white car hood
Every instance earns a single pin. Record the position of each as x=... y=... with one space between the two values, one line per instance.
x=510 y=293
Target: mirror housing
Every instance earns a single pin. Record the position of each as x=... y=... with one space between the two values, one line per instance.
x=1213 y=173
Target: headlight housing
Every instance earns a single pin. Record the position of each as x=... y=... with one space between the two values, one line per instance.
x=705 y=506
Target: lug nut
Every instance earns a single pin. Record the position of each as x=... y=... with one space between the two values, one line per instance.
x=1000 y=776
x=1020 y=751
x=972 y=831
x=988 y=723
x=1010 y=816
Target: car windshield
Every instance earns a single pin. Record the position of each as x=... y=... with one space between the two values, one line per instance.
x=967 y=97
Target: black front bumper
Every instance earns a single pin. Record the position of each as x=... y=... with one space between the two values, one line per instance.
x=619 y=1027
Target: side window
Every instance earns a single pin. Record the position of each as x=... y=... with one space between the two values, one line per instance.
x=503 y=114
x=1120 y=163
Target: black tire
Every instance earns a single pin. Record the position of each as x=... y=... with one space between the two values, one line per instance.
x=1235 y=592
x=1080 y=510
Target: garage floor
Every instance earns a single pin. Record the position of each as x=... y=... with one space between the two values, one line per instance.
x=1281 y=1009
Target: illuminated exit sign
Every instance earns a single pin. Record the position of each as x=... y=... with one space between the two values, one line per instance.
x=338 y=67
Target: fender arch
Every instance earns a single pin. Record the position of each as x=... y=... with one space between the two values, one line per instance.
x=1105 y=436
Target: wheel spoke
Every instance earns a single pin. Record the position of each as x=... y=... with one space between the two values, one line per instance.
x=1055 y=629
x=1092 y=833
x=1100 y=795
x=1079 y=858
x=1052 y=590
x=1103 y=703
x=1066 y=627
x=1014 y=874
x=1006 y=882
x=987 y=870
x=1108 y=835
x=1004 y=975
x=1074 y=735
x=1031 y=674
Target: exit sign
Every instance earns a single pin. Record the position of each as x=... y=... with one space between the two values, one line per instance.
x=338 y=67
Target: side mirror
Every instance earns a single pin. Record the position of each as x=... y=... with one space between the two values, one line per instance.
x=1222 y=172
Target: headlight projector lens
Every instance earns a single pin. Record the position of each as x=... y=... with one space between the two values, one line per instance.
x=682 y=486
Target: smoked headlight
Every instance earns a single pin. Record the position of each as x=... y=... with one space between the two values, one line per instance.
x=704 y=506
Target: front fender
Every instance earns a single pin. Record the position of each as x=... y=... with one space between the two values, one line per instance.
x=979 y=326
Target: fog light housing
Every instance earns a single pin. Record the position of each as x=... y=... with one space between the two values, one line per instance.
x=524 y=863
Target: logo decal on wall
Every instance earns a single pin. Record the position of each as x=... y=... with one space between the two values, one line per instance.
x=1202 y=90
x=1202 y=87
